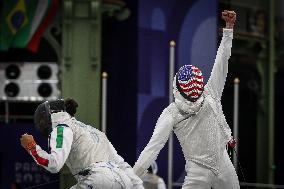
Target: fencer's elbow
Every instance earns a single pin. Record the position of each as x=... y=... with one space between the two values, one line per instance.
x=54 y=169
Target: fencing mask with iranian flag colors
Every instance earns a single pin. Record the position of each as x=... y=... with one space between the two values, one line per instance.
x=42 y=116
x=189 y=82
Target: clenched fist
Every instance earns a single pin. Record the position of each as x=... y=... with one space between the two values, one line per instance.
x=230 y=18
x=28 y=142
x=232 y=143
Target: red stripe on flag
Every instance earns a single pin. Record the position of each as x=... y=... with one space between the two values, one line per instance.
x=34 y=42
x=193 y=94
x=198 y=76
x=40 y=160
x=190 y=83
x=193 y=88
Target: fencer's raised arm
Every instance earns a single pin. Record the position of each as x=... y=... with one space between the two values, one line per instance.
x=217 y=79
x=136 y=181
x=60 y=145
x=160 y=136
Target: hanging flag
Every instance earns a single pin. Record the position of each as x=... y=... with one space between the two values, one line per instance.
x=40 y=12
x=23 y=22
x=13 y=18
x=21 y=38
x=35 y=40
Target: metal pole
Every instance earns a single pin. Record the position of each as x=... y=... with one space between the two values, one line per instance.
x=170 y=144
x=104 y=101
x=236 y=119
x=271 y=71
x=6 y=111
x=261 y=185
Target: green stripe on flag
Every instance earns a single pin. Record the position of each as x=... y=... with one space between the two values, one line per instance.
x=6 y=35
x=59 y=138
x=15 y=23
x=22 y=36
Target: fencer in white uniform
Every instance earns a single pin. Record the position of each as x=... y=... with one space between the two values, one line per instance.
x=197 y=119
x=87 y=152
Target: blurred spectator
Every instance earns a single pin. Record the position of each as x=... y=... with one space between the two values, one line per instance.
x=15 y=185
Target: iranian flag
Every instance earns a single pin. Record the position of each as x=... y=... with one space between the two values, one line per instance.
x=35 y=38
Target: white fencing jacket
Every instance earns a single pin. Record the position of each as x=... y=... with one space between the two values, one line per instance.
x=203 y=136
x=153 y=181
x=79 y=146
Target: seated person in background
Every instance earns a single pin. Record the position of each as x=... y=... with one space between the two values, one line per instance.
x=87 y=152
x=151 y=180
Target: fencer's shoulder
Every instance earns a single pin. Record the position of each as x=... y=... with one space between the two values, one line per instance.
x=89 y=128
x=174 y=111
x=63 y=126
x=208 y=93
x=67 y=123
x=167 y=112
x=171 y=108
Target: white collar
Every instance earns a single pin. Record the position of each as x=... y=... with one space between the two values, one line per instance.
x=189 y=107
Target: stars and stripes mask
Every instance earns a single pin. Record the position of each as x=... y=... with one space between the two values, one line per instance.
x=189 y=82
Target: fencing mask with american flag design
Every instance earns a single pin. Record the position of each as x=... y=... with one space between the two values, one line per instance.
x=189 y=82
